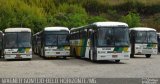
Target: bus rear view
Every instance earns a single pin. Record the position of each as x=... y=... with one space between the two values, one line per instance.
x=17 y=43
x=143 y=41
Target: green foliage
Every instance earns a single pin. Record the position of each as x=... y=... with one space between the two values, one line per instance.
x=16 y=14
x=37 y=14
x=70 y=16
x=132 y=19
x=93 y=19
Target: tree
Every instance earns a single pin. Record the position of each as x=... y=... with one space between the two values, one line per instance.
x=132 y=19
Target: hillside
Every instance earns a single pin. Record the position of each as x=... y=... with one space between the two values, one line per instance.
x=36 y=14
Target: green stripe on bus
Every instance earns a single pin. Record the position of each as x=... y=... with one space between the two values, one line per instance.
x=151 y=45
x=83 y=48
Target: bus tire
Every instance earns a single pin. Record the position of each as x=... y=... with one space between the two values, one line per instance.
x=131 y=55
x=117 y=61
x=74 y=53
x=148 y=55
x=92 y=58
x=90 y=55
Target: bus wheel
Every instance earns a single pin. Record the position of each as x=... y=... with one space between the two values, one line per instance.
x=148 y=55
x=131 y=55
x=117 y=61
x=90 y=55
x=74 y=53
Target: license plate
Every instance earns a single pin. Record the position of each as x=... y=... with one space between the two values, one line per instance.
x=57 y=52
x=114 y=56
x=18 y=56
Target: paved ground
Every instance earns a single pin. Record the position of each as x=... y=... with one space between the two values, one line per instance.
x=38 y=67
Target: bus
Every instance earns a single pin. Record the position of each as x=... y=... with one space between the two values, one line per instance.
x=17 y=43
x=1 y=43
x=158 y=40
x=101 y=41
x=54 y=42
x=143 y=41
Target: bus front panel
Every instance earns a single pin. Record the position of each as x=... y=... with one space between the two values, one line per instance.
x=19 y=53
x=146 y=49
x=113 y=53
x=17 y=45
x=57 y=51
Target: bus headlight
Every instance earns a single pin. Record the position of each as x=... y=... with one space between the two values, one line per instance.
x=67 y=48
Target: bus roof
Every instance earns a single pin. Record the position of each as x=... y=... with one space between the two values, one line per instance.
x=104 y=24
x=77 y=28
x=110 y=24
x=142 y=29
x=18 y=30
x=55 y=28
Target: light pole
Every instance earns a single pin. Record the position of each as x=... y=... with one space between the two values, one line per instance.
x=23 y=20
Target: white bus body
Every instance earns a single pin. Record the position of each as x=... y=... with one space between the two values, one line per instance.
x=17 y=43
x=143 y=41
x=99 y=41
x=54 y=42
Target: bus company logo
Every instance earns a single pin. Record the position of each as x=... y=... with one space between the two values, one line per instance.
x=150 y=81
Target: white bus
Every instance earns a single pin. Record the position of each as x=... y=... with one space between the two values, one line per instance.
x=17 y=43
x=54 y=42
x=143 y=41
x=101 y=41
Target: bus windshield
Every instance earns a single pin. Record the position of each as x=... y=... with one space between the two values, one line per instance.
x=24 y=39
x=152 y=37
x=13 y=40
x=63 y=40
x=146 y=37
x=50 y=39
x=113 y=37
x=56 y=38
x=141 y=37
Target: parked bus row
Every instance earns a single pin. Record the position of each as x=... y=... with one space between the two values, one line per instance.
x=96 y=41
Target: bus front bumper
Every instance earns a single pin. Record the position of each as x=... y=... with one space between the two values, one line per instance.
x=113 y=57
x=57 y=53
x=17 y=56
